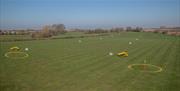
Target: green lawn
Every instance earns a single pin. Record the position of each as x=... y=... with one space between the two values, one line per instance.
x=67 y=65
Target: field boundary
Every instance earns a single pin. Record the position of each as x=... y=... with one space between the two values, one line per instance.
x=51 y=38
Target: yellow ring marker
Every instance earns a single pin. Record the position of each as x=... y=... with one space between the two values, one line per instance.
x=7 y=55
x=159 y=68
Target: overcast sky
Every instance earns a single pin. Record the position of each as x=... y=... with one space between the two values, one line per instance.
x=89 y=13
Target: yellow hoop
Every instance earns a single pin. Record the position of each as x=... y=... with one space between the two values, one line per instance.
x=159 y=68
x=26 y=55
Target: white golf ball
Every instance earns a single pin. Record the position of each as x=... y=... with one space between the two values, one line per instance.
x=110 y=53
x=26 y=49
x=137 y=39
x=130 y=43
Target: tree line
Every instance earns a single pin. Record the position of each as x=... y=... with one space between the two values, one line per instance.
x=49 y=31
x=116 y=30
x=46 y=31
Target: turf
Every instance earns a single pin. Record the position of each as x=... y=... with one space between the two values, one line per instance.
x=67 y=65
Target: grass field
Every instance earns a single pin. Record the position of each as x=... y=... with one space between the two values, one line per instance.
x=69 y=65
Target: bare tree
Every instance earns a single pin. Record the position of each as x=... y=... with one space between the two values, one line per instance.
x=46 y=32
x=58 y=28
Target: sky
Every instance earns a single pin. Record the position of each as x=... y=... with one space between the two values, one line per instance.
x=17 y=14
